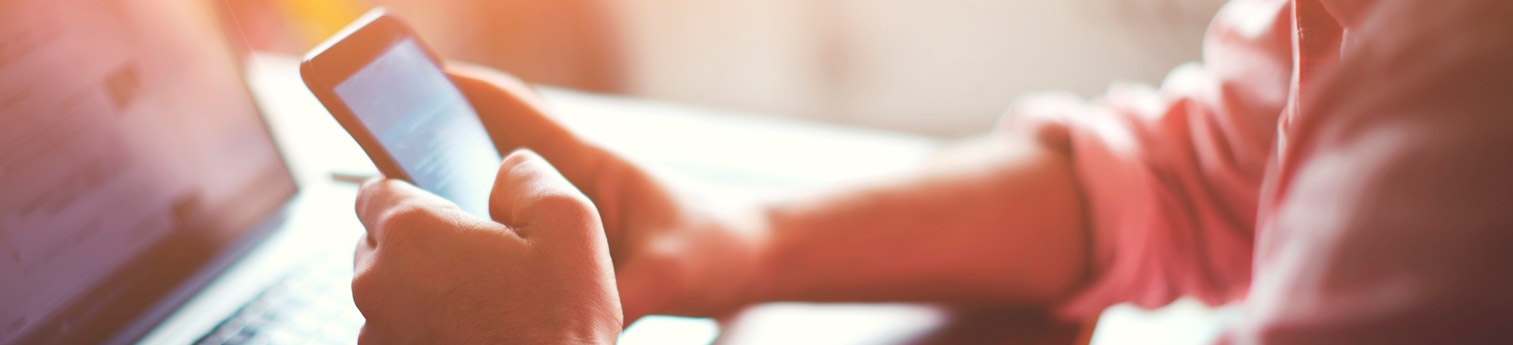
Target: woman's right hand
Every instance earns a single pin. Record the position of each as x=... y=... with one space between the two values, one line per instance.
x=672 y=254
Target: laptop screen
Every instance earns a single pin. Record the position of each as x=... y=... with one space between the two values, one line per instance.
x=131 y=157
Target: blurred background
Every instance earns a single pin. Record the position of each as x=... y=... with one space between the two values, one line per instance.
x=942 y=68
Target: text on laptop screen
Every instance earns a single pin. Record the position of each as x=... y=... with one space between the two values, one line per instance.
x=131 y=154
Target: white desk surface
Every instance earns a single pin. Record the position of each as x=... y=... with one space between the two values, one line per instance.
x=726 y=154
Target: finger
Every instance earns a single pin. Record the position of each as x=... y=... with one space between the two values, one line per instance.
x=381 y=200
x=515 y=116
x=362 y=255
x=367 y=336
x=532 y=197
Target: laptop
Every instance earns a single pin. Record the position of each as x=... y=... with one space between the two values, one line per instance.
x=135 y=171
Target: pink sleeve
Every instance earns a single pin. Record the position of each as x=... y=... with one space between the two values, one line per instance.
x=1389 y=216
x=1171 y=176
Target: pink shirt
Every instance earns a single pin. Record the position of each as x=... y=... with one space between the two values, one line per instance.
x=1345 y=167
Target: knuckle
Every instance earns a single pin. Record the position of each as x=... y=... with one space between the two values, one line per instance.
x=364 y=288
x=370 y=186
x=517 y=157
x=520 y=167
x=404 y=219
x=515 y=169
x=563 y=207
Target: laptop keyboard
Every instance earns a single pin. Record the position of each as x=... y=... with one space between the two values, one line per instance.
x=311 y=305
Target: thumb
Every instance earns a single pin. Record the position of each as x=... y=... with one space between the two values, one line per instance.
x=381 y=199
x=545 y=211
x=531 y=197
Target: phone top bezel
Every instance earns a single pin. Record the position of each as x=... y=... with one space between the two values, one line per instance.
x=347 y=52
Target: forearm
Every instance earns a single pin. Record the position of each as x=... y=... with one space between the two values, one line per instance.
x=999 y=221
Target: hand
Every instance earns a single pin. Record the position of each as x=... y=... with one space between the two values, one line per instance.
x=671 y=255
x=427 y=272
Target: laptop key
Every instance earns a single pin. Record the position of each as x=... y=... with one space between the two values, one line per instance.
x=309 y=306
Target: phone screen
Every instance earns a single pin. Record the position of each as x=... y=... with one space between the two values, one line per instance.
x=426 y=125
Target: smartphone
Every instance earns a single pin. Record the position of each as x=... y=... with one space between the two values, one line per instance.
x=388 y=90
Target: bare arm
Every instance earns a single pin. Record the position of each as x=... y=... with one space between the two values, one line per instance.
x=996 y=220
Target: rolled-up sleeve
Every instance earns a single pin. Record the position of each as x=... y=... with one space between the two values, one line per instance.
x=1344 y=166
x=1388 y=218
x=1171 y=175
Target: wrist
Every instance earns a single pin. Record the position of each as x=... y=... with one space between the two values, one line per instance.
x=731 y=259
x=754 y=228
